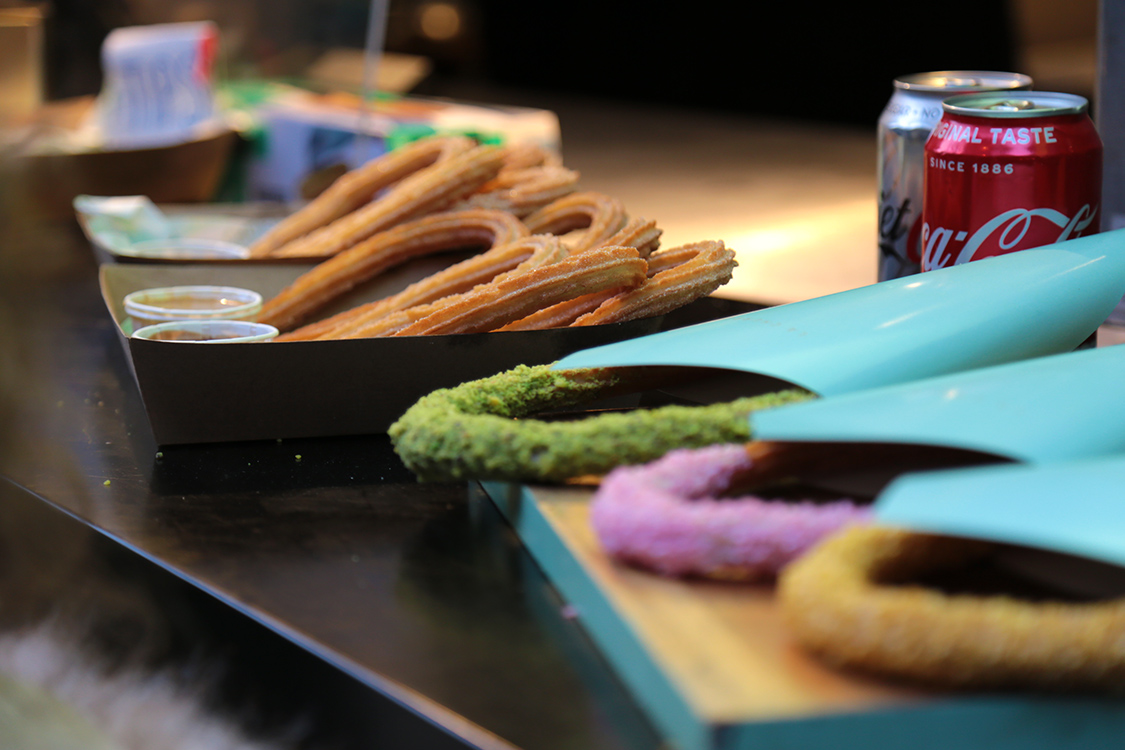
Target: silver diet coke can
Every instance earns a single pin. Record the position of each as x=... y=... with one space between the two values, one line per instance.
x=904 y=126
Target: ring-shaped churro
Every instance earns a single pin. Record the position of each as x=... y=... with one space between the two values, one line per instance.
x=483 y=429
x=516 y=295
x=387 y=317
x=639 y=233
x=672 y=516
x=529 y=154
x=336 y=275
x=852 y=602
x=642 y=234
x=434 y=188
x=599 y=216
x=677 y=277
x=523 y=191
x=357 y=187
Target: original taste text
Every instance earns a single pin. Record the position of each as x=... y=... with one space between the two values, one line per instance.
x=951 y=131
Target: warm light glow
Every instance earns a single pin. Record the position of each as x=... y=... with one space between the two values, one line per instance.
x=803 y=254
x=806 y=230
x=440 y=21
x=776 y=238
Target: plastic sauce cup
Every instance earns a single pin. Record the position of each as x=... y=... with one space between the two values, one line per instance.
x=151 y=306
x=208 y=332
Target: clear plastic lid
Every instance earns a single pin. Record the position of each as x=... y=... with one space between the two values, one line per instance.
x=208 y=331
x=193 y=302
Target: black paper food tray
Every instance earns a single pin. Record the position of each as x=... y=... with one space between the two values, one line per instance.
x=208 y=393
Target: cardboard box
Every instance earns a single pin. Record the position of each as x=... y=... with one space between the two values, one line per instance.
x=205 y=393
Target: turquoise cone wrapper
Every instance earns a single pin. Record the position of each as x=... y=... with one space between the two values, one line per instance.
x=1073 y=507
x=991 y=311
x=1054 y=408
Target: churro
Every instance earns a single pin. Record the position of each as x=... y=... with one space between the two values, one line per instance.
x=359 y=186
x=523 y=191
x=493 y=305
x=678 y=277
x=428 y=190
x=335 y=276
x=597 y=215
x=639 y=233
x=484 y=429
x=856 y=601
x=673 y=516
x=388 y=316
x=528 y=154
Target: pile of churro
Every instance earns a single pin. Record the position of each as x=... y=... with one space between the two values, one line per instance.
x=548 y=254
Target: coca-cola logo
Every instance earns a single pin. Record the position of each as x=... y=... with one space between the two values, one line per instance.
x=1016 y=229
x=894 y=224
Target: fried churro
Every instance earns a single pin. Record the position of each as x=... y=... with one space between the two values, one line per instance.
x=598 y=216
x=432 y=189
x=858 y=601
x=493 y=305
x=387 y=316
x=335 y=276
x=677 y=277
x=523 y=191
x=357 y=187
x=673 y=516
x=485 y=429
x=527 y=154
x=639 y=233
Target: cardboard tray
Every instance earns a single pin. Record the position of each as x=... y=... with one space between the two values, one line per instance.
x=237 y=223
x=230 y=392
x=713 y=667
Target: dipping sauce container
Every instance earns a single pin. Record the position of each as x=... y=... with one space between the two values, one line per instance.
x=208 y=331
x=150 y=306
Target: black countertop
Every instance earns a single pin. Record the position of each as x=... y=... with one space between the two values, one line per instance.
x=418 y=590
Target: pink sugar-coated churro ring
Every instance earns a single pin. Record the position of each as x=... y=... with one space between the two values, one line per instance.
x=669 y=516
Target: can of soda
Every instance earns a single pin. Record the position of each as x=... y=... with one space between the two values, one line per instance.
x=906 y=122
x=1007 y=172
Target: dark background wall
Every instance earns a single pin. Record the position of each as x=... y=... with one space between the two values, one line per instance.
x=831 y=62
x=812 y=60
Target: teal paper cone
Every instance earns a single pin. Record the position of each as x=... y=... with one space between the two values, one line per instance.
x=1054 y=408
x=988 y=312
x=1075 y=507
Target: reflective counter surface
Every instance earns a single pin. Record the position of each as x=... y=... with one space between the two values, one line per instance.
x=417 y=596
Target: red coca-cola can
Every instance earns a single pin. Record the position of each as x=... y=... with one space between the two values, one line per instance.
x=1007 y=172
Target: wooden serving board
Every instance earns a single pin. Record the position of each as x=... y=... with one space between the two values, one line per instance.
x=712 y=665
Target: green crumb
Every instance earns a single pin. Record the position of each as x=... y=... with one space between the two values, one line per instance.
x=477 y=430
x=298 y=456
x=105 y=483
x=159 y=455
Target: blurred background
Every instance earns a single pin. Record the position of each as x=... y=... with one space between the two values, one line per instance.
x=834 y=64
